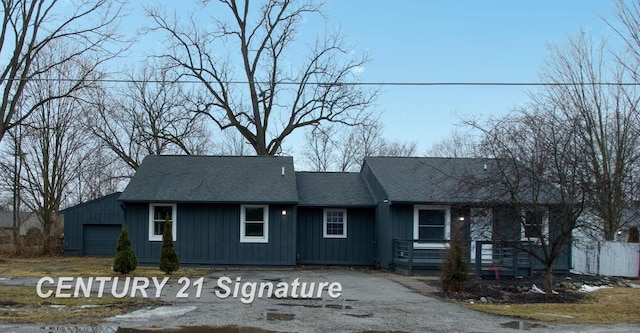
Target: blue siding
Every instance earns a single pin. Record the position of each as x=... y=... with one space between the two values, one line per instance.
x=102 y=211
x=209 y=234
x=357 y=249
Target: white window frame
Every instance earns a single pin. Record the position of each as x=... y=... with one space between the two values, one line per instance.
x=265 y=216
x=174 y=221
x=344 y=222
x=416 y=226
x=545 y=227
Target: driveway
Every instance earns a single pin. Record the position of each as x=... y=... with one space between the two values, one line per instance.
x=368 y=301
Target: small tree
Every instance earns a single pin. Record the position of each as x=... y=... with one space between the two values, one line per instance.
x=634 y=236
x=168 y=257
x=125 y=260
x=455 y=267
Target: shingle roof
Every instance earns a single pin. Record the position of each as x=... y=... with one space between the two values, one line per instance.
x=335 y=189
x=221 y=179
x=431 y=179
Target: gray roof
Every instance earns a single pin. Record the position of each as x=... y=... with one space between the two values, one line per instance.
x=6 y=218
x=333 y=189
x=432 y=179
x=215 y=179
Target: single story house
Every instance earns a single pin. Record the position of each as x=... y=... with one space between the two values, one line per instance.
x=29 y=222
x=397 y=213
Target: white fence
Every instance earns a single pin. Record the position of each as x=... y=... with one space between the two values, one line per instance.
x=607 y=258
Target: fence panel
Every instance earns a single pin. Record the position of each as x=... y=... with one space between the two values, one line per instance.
x=619 y=259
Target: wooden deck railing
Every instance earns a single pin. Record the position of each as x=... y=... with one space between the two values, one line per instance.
x=493 y=259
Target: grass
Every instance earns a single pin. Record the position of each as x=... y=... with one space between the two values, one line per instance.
x=21 y=304
x=605 y=306
x=80 y=266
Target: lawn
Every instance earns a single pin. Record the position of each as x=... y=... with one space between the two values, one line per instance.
x=21 y=304
x=605 y=306
x=80 y=266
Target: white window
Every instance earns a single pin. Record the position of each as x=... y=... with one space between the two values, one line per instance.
x=254 y=224
x=335 y=223
x=535 y=225
x=431 y=223
x=158 y=214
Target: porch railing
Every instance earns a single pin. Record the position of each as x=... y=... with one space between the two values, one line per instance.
x=493 y=259
x=503 y=258
x=414 y=253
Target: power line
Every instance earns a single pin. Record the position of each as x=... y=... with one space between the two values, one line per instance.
x=380 y=83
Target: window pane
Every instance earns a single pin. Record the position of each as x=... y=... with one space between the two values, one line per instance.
x=335 y=229
x=431 y=224
x=533 y=224
x=162 y=212
x=254 y=214
x=158 y=228
x=431 y=233
x=254 y=229
x=431 y=217
x=334 y=217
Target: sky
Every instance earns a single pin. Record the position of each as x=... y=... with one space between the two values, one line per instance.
x=448 y=41
x=458 y=41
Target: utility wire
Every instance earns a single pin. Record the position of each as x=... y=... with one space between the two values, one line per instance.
x=414 y=84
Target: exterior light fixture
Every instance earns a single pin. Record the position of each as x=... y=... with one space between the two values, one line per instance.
x=284 y=212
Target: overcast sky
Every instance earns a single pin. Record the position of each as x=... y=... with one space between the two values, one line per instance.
x=449 y=41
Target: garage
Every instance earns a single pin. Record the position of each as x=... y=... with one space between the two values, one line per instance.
x=100 y=239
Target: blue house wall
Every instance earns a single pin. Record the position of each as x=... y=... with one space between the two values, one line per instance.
x=209 y=234
x=357 y=249
x=103 y=215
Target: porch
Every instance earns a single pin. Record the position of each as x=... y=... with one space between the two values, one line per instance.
x=488 y=259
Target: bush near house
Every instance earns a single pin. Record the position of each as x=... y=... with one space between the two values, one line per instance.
x=455 y=268
x=125 y=260
x=169 y=262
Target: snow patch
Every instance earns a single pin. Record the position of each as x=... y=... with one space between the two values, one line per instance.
x=537 y=290
x=587 y=288
x=163 y=311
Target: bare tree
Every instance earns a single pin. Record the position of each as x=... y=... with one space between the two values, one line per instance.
x=537 y=180
x=232 y=143
x=398 y=149
x=100 y=173
x=53 y=139
x=320 y=148
x=609 y=122
x=87 y=28
x=149 y=116
x=343 y=148
x=259 y=92
x=457 y=144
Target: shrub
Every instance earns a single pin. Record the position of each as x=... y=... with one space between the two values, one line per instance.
x=168 y=257
x=125 y=260
x=455 y=268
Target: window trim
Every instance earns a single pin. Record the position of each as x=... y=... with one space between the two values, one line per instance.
x=416 y=226
x=344 y=222
x=174 y=221
x=265 y=228
x=545 y=227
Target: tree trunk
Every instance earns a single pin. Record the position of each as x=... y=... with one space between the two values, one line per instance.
x=548 y=277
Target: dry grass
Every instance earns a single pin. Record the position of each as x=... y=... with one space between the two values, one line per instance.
x=22 y=305
x=605 y=306
x=80 y=266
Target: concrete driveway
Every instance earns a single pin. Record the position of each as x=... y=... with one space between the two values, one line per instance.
x=369 y=301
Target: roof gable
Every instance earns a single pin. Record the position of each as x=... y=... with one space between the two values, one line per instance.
x=333 y=189
x=219 y=179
